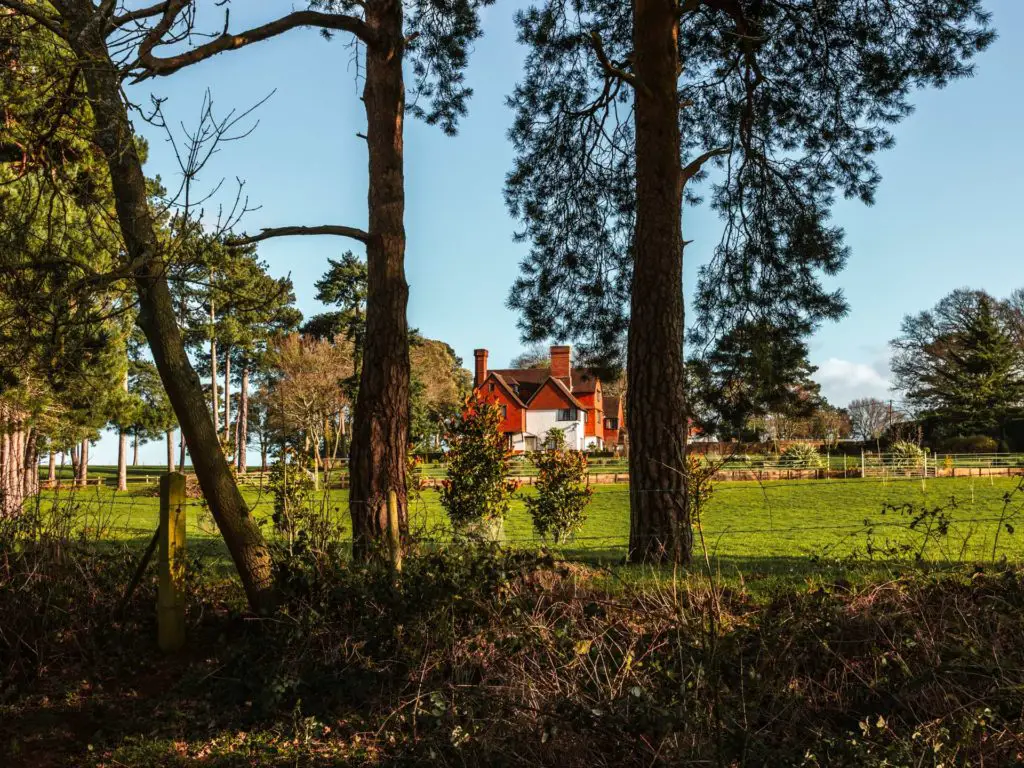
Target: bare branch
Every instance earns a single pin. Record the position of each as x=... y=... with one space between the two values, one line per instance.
x=156 y=66
x=692 y=168
x=139 y=14
x=327 y=229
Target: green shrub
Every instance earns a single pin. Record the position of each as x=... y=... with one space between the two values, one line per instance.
x=477 y=491
x=970 y=444
x=801 y=456
x=299 y=517
x=558 y=508
x=907 y=455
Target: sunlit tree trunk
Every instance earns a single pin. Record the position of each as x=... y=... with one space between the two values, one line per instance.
x=170 y=450
x=243 y=424
x=122 y=449
x=227 y=396
x=114 y=137
x=659 y=524
x=380 y=430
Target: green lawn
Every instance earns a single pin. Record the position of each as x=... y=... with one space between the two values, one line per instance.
x=745 y=524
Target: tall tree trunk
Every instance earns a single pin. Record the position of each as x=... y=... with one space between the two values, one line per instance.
x=380 y=431
x=181 y=454
x=213 y=365
x=659 y=527
x=114 y=136
x=227 y=396
x=170 y=450
x=135 y=449
x=51 y=473
x=122 y=449
x=83 y=464
x=30 y=481
x=12 y=463
x=243 y=424
x=74 y=464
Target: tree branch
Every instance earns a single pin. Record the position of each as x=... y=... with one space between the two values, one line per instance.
x=692 y=168
x=137 y=15
x=35 y=13
x=327 y=229
x=610 y=69
x=157 y=66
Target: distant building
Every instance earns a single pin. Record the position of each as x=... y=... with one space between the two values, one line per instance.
x=533 y=400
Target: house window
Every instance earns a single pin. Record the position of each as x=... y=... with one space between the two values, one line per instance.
x=491 y=387
x=611 y=423
x=504 y=411
x=584 y=417
x=567 y=414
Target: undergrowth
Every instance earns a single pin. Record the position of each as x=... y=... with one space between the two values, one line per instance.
x=478 y=656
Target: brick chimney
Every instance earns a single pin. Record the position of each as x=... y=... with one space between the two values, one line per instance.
x=480 y=372
x=561 y=367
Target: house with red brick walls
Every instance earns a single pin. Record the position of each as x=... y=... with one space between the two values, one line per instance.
x=535 y=400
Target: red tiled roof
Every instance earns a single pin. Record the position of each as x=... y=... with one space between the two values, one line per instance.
x=584 y=381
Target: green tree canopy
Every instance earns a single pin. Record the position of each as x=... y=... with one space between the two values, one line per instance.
x=960 y=365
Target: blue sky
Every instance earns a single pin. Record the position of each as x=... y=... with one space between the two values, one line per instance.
x=945 y=216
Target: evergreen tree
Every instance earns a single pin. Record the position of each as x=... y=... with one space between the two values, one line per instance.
x=622 y=107
x=751 y=371
x=960 y=366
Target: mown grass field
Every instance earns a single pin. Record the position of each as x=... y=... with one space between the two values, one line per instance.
x=748 y=528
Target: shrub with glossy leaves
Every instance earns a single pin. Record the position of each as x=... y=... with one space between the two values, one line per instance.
x=478 y=490
x=559 y=507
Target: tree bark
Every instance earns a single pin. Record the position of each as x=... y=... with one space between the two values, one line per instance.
x=51 y=474
x=243 y=424
x=122 y=450
x=135 y=449
x=74 y=464
x=181 y=454
x=30 y=480
x=157 y=318
x=170 y=450
x=213 y=366
x=380 y=431
x=227 y=396
x=83 y=464
x=14 y=482
x=659 y=527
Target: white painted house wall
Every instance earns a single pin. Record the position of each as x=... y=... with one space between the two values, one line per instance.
x=539 y=422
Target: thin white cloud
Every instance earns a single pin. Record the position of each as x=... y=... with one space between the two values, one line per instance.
x=844 y=380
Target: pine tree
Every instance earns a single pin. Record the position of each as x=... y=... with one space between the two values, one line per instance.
x=622 y=108
x=961 y=367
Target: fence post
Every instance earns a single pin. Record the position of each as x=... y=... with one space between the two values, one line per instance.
x=170 y=600
x=861 y=463
x=395 y=533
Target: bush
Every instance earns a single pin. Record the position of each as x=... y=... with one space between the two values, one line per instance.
x=907 y=455
x=562 y=495
x=298 y=517
x=800 y=456
x=970 y=444
x=477 y=491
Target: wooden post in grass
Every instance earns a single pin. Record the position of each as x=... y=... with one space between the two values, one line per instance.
x=170 y=596
x=395 y=532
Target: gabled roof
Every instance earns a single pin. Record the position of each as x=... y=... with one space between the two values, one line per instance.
x=509 y=390
x=562 y=388
x=521 y=393
x=611 y=405
x=583 y=380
